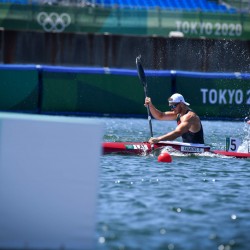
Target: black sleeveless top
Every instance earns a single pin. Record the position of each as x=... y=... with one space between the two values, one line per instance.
x=191 y=137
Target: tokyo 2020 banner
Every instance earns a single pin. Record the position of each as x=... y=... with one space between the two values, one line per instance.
x=124 y=21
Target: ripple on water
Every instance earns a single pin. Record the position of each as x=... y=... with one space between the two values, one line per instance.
x=195 y=202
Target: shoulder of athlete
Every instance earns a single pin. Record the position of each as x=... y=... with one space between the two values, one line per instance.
x=190 y=117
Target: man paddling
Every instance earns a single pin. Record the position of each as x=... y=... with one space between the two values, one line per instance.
x=189 y=126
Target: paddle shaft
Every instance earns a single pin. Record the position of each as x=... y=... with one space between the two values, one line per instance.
x=143 y=80
x=149 y=116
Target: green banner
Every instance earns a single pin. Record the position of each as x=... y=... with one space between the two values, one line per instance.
x=19 y=90
x=98 y=93
x=124 y=21
x=207 y=25
x=48 y=89
x=216 y=97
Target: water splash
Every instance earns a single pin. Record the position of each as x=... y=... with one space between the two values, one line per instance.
x=245 y=146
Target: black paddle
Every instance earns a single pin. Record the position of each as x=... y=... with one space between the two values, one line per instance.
x=143 y=80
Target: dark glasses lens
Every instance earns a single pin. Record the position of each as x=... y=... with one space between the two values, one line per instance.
x=173 y=106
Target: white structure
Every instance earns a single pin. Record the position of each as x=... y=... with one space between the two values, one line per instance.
x=48 y=181
x=176 y=34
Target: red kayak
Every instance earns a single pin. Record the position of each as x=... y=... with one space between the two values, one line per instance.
x=144 y=148
x=232 y=154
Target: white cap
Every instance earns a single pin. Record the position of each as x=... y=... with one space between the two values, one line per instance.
x=176 y=98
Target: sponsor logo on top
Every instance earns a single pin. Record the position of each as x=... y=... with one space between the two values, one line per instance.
x=137 y=147
x=53 y=22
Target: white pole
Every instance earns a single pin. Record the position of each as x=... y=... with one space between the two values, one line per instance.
x=247 y=120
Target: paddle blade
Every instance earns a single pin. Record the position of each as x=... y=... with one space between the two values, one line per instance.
x=142 y=77
x=140 y=71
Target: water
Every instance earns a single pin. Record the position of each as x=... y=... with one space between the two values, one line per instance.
x=195 y=202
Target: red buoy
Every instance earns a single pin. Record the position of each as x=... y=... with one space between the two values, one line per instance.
x=165 y=157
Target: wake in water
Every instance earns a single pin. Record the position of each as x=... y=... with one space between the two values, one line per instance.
x=245 y=146
x=174 y=152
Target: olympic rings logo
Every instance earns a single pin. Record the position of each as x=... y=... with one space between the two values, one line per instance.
x=53 y=21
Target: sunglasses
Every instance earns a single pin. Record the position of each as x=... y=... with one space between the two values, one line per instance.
x=174 y=105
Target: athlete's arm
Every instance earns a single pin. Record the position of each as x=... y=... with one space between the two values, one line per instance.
x=182 y=128
x=157 y=114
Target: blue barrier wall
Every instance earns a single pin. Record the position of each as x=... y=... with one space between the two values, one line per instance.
x=118 y=92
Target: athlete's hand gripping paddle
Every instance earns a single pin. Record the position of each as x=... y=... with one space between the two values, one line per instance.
x=143 y=81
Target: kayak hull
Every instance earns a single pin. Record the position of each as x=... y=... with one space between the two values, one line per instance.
x=145 y=148
x=135 y=148
x=232 y=154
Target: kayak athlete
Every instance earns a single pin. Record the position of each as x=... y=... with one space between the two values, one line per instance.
x=189 y=126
